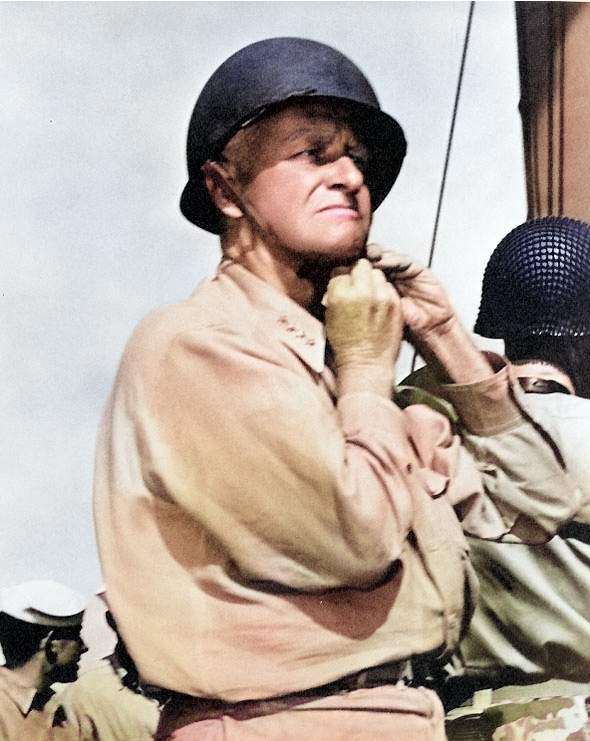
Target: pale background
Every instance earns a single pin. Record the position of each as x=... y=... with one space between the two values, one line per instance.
x=95 y=99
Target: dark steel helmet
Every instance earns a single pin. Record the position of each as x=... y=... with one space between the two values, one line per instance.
x=537 y=282
x=270 y=72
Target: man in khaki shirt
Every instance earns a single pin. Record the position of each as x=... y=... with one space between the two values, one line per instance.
x=40 y=624
x=102 y=704
x=278 y=537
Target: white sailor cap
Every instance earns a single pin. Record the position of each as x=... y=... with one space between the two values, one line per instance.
x=43 y=602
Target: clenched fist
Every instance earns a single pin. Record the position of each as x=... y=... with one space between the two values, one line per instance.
x=364 y=327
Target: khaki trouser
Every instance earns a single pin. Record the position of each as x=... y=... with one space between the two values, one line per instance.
x=387 y=713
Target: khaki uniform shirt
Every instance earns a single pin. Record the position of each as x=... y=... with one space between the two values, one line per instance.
x=15 y=702
x=98 y=707
x=18 y=722
x=257 y=537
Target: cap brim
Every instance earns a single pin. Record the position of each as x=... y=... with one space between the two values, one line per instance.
x=43 y=602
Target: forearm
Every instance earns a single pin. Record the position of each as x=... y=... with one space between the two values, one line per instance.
x=359 y=378
x=526 y=493
x=450 y=351
x=526 y=482
x=522 y=470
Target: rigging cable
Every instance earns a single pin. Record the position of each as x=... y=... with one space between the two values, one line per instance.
x=449 y=144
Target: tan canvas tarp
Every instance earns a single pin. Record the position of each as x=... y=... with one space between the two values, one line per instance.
x=554 y=62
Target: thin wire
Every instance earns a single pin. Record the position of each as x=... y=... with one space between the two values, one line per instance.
x=452 y=130
x=449 y=143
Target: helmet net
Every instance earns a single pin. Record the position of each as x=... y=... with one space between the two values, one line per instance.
x=537 y=282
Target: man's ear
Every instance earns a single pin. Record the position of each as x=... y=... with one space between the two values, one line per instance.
x=220 y=190
x=50 y=653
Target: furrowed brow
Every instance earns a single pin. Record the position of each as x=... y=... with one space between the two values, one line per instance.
x=297 y=133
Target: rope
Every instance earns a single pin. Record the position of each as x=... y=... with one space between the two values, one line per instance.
x=449 y=143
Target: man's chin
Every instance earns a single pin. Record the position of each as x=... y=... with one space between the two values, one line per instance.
x=349 y=253
x=337 y=258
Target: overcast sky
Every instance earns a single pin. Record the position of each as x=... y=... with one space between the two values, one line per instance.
x=96 y=99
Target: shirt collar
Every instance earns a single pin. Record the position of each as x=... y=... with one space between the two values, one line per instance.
x=297 y=328
x=20 y=694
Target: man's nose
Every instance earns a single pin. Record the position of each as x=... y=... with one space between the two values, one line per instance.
x=345 y=173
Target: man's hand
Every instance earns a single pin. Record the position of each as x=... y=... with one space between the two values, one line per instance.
x=425 y=305
x=364 y=326
x=431 y=322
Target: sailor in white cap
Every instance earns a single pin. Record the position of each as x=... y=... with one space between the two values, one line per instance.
x=40 y=624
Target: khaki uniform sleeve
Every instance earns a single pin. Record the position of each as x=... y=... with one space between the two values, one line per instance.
x=524 y=473
x=527 y=490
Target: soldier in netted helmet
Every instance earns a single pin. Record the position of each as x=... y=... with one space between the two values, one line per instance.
x=535 y=298
x=278 y=537
x=532 y=623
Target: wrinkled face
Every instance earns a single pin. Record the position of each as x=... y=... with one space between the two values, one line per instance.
x=305 y=191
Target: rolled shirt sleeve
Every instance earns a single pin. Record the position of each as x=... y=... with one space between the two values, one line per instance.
x=523 y=470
